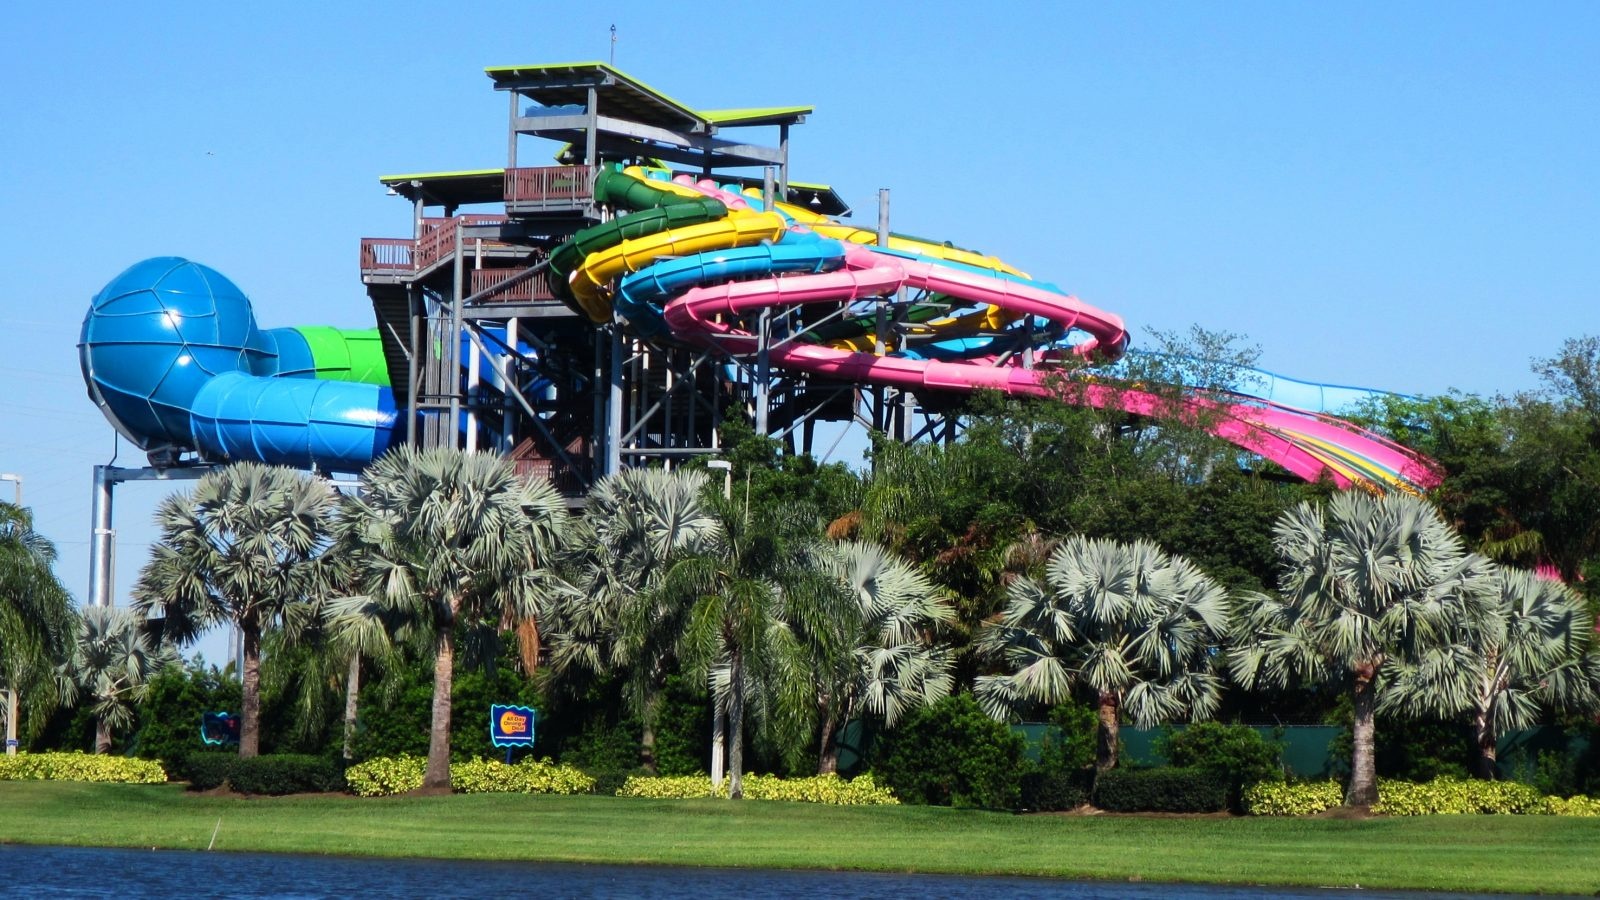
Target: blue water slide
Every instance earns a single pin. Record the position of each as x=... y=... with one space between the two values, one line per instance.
x=171 y=353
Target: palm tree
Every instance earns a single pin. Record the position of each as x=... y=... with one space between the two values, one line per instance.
x=1530 y=652
x=242 y=548
x=37 y=622
x=457 y=540
x=1133 y=624
x=1368 y=584
x=636 y=524
x=112 y=664
x=871 y=639
x=735 y=632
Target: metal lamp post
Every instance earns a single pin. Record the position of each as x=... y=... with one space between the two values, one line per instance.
x=719 y=718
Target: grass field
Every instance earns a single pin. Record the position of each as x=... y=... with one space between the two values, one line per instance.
x=1467 y=853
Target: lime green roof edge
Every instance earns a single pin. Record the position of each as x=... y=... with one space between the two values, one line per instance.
x=494 y=71
x=433 y=176
x=756 y=112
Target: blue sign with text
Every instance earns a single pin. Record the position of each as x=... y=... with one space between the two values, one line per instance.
x=511 y=726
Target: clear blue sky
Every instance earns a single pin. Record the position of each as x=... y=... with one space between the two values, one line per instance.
x=1393 y=195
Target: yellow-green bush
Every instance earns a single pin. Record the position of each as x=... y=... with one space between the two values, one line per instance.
x=1275 y=798
x=670 y=787
x=399 y=774
x=385 y=775
x=531 y=776
x=81 y=767
x=1452 y=796
x=1587 y=807
x=827 y=789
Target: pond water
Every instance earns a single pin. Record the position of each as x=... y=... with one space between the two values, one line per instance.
x=88 y=872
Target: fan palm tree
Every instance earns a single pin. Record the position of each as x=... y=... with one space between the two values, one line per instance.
x=112 y=665
x=1530 y=652
x=242 y=548
x=457 y=540
x=636 y=524
x=37 y=622
x=1368 y=584
x=871 y=639
x=1131 y=623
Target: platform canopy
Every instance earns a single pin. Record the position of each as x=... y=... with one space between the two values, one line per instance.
x=568 y=84
x=461 y=188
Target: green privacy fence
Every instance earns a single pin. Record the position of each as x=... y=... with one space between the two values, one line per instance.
x=1308 y=750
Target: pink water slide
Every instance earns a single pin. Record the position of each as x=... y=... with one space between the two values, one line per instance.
x=1306 y=444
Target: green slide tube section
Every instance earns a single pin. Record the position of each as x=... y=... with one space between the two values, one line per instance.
x=346 y=355
x=635 y=225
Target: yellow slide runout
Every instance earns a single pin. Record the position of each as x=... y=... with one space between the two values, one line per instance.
x=591 y=278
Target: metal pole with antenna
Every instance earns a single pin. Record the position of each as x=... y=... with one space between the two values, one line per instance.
x=613 y=45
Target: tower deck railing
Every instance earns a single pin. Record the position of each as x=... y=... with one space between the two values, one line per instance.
x=404 y=256
x=550 y=188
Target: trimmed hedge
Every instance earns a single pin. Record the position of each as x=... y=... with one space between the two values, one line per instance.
x=273 y=775
x=398 y=774
x=205 y=771
x=79 y=766
x=1274 y=798
x=1161 y=790
x=830 y=790
x=285 y=773
x=1053 y=791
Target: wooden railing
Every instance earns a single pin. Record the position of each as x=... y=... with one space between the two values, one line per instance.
x=528 y=290
x=437 y=241
x=388 y=255
x=555 y=186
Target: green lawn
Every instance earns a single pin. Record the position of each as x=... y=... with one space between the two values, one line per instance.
x=1468 y=853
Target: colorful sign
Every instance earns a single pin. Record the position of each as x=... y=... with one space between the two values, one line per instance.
x=217 y=728
x=511 y=726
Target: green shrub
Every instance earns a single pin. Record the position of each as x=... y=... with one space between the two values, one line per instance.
x=1275 y=798
x=607 y=782
x=951 y=754
x=825 y=789
x=284 y=773
x=386 y=775
x=78 y=766
x=1161 y=790
x=1053 y=790
x=530 y=776
x=169 y=716
x=1236 y=753
x=1454 y=796
x=205 y=771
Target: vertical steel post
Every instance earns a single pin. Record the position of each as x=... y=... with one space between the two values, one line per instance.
x=511 y=136
x=614 y=403
x=880 y=394
x=100 y=538
x=450 y=379
x=592 y=104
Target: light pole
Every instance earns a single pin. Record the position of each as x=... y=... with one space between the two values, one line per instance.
x=719 y=717
x=11 y=694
